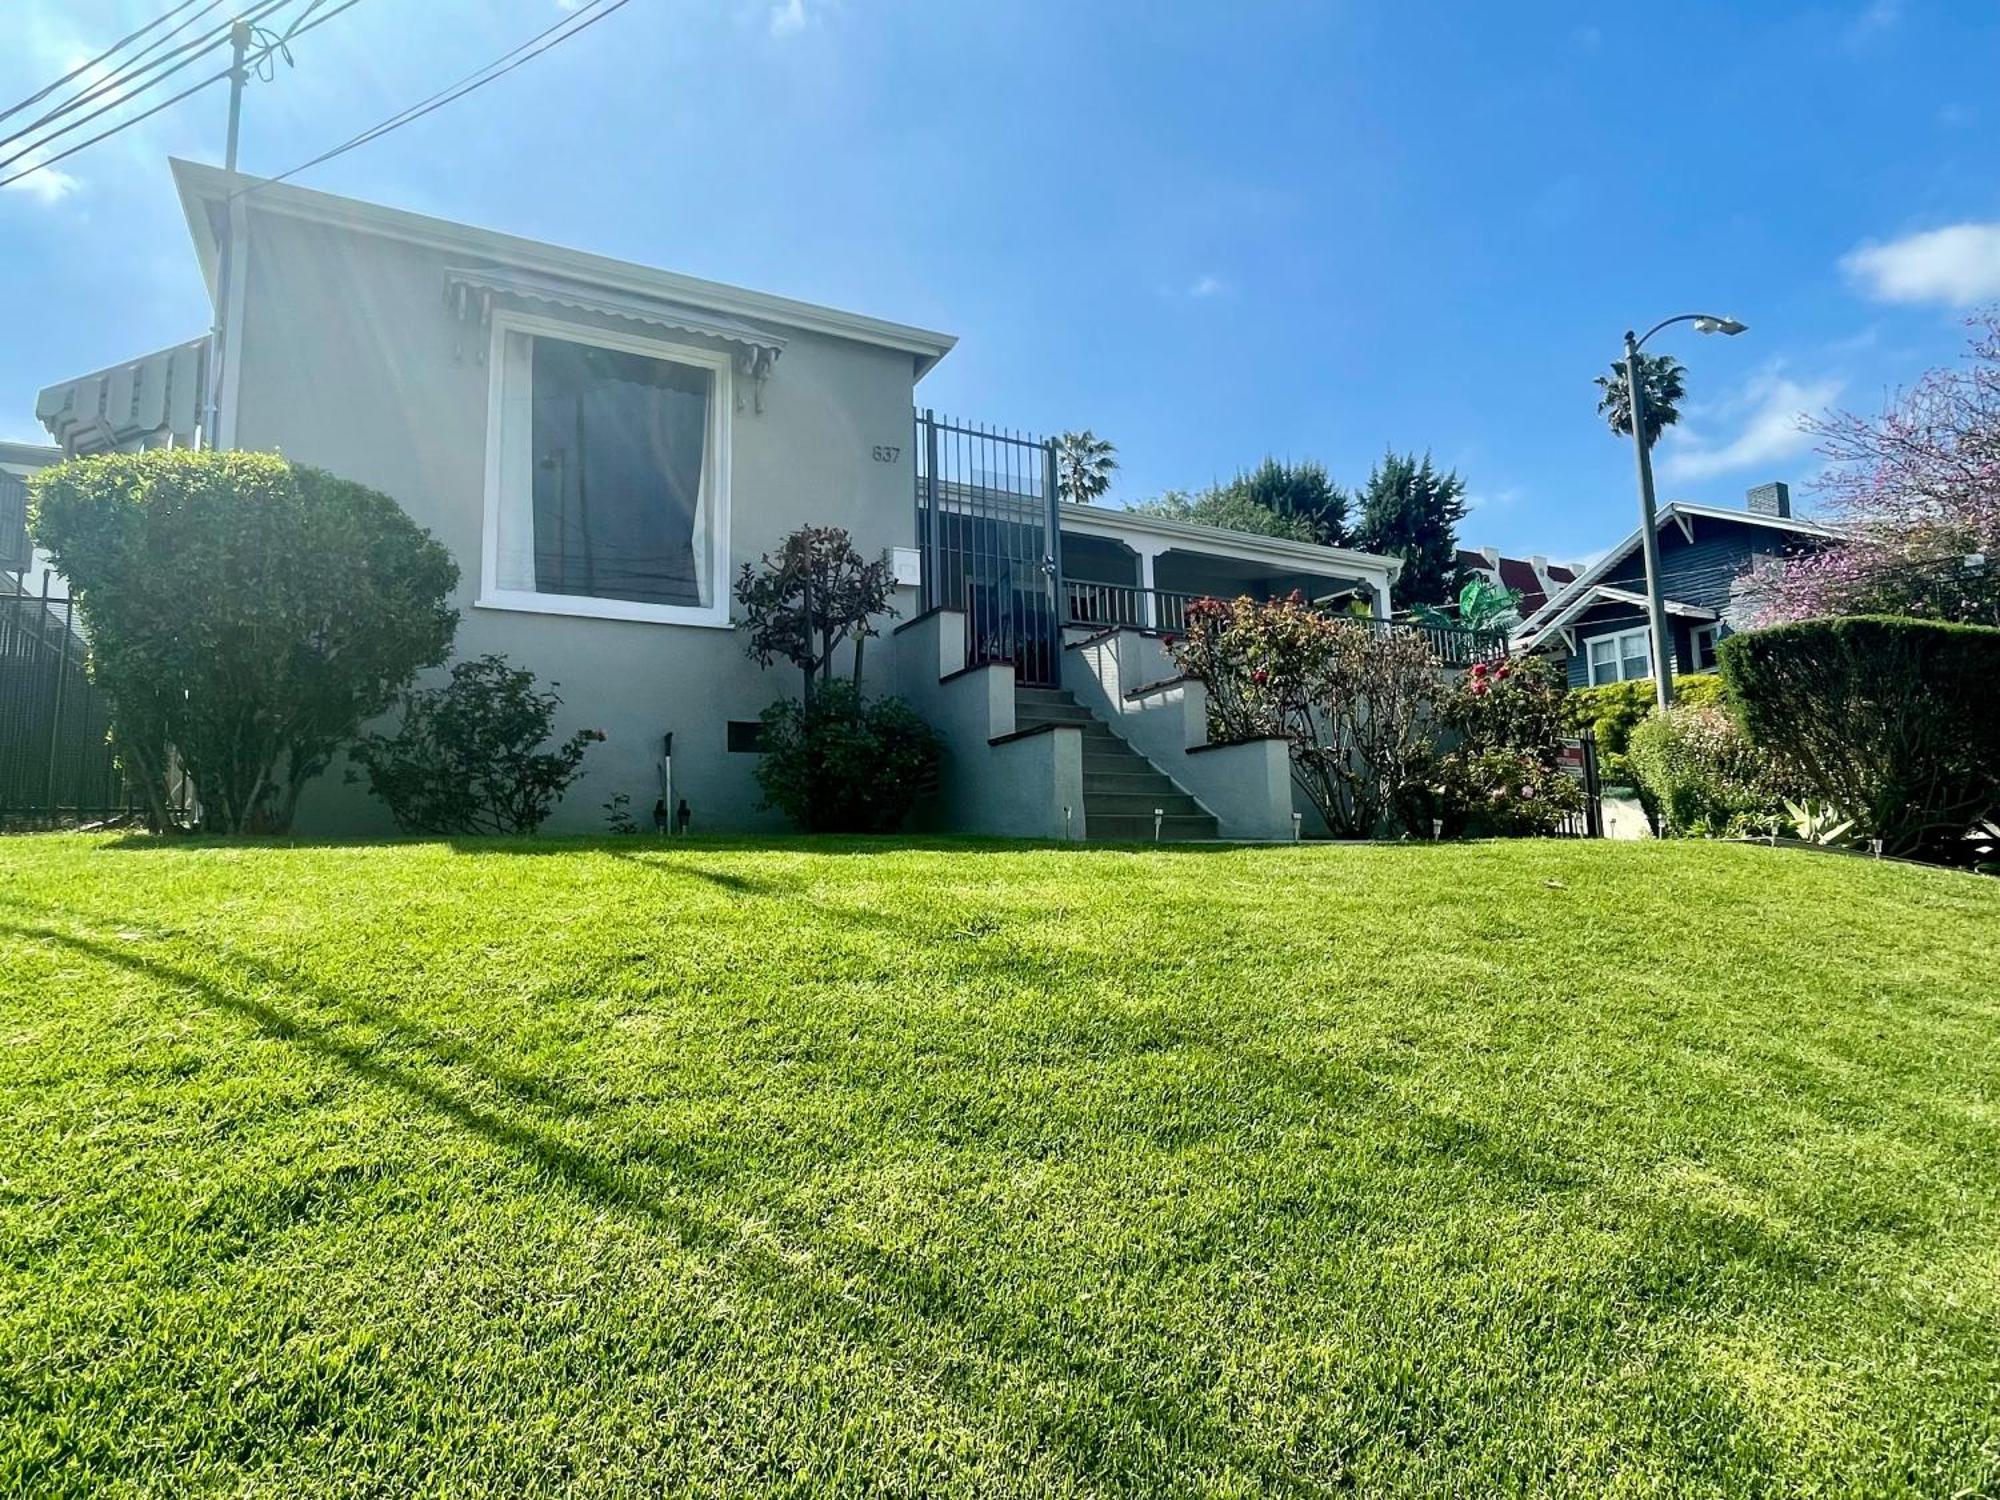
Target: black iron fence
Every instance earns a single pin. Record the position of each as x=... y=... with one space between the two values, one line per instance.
x=56 y=762
x=986 y=523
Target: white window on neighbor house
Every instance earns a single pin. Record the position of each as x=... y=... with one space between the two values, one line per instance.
x=607 y=475
x=1621 y=657
x=1701 y=641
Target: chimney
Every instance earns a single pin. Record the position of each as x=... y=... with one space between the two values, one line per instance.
x=1773 y=499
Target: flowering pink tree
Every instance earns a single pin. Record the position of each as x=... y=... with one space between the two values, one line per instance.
x=1918 y=489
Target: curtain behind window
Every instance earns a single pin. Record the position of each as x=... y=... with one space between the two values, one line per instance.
x=617 y=447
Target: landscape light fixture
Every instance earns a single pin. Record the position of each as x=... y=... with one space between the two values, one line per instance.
x=1649 y=540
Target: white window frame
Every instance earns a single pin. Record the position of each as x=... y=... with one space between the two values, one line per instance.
x=1713 y=634
x=1618 y=653
x=714 y=477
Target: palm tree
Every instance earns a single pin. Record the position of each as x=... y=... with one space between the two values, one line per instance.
x=1084 y=465
x=1662 y=376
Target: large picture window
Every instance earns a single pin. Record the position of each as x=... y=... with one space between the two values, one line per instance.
x=607 y=476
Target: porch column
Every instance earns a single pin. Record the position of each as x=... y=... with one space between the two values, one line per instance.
x=1378 y=589
x=1148 y=609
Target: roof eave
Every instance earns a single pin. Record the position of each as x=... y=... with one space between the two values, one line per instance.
x=1249 y=545
x=201 y=185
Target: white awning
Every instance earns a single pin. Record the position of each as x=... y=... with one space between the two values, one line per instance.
x=472 y=291
x=151 y=402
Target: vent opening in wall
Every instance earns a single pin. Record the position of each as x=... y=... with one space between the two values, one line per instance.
x=746 y=737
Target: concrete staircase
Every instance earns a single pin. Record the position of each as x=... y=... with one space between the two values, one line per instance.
x=1121 y=788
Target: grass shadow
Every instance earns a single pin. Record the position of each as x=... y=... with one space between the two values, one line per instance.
x=921 y=1294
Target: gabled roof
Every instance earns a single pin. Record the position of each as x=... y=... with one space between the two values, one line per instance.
x=1673 y=513
x=205 y=193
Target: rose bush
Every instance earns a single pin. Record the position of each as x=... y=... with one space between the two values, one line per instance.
x=1502 y=777
x=1354 y=702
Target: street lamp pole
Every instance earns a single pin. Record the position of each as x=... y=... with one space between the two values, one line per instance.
x=1649 y=536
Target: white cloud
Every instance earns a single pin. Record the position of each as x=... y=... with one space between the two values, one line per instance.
x=1959 y=264
x=788 y=18
x=1206 y=285
x=46 y=185
x=1492 y=500
x=1771 y=409
x=1875 y=18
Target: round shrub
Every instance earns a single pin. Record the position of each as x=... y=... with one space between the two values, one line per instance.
x=1700 y=776
x=1894 y=721
x=246 y=615
x=842 y=764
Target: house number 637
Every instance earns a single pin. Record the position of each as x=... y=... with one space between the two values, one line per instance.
x=886 y=455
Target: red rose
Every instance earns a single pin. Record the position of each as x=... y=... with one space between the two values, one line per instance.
x=1479 y=669
x=1260 y=677
x=1501 y=675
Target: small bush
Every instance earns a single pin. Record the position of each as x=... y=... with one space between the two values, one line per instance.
x=1701 y=777
x=1894 y=721
x=840 y=764
x=246 y=616
x=1612 y=710
x=468 y=756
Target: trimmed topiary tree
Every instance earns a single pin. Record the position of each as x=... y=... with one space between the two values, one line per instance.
x=1894 y=721
x=245 y=616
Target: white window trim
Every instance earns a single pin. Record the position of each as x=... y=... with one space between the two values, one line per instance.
x=1713 y=633
x=1617 y=640
x=715 y=478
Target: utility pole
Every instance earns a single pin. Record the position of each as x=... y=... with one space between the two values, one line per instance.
x=239 y=74
x=1649 y=535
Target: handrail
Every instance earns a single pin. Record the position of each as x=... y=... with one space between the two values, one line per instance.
x=1086 y=602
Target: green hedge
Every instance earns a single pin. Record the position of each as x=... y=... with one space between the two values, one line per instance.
x=1896 y=722
x=1612 y=711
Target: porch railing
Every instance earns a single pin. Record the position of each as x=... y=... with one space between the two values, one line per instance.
x=1088 y=604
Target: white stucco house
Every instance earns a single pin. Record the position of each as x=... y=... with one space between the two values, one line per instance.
x=602 y=445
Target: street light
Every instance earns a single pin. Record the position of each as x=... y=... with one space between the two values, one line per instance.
x=1635 y=390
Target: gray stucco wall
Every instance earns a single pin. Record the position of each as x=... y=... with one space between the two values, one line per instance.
x=349 y=363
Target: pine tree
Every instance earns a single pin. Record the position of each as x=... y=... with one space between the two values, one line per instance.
x=1411 y=510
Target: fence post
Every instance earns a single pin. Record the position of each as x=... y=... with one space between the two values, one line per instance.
x=56 y=710
x=1051 y=482
x=933 y=536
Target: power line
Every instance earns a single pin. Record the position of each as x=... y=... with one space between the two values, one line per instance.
x=198 y=47
x=580 y=20
x=84 y=67
x=300 y=27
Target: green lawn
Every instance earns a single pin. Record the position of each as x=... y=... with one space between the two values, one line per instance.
x=711 y=1168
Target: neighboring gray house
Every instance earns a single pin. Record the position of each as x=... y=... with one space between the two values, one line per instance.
x=18 y=565
x=1597 y=624
x=603 y=445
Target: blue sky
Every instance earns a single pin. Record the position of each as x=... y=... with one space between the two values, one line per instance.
x=1208 y=232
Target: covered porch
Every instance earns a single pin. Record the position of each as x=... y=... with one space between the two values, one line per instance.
x=1125 y=569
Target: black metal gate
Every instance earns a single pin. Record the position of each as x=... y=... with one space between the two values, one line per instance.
x=989 y=529
x=56 y=762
